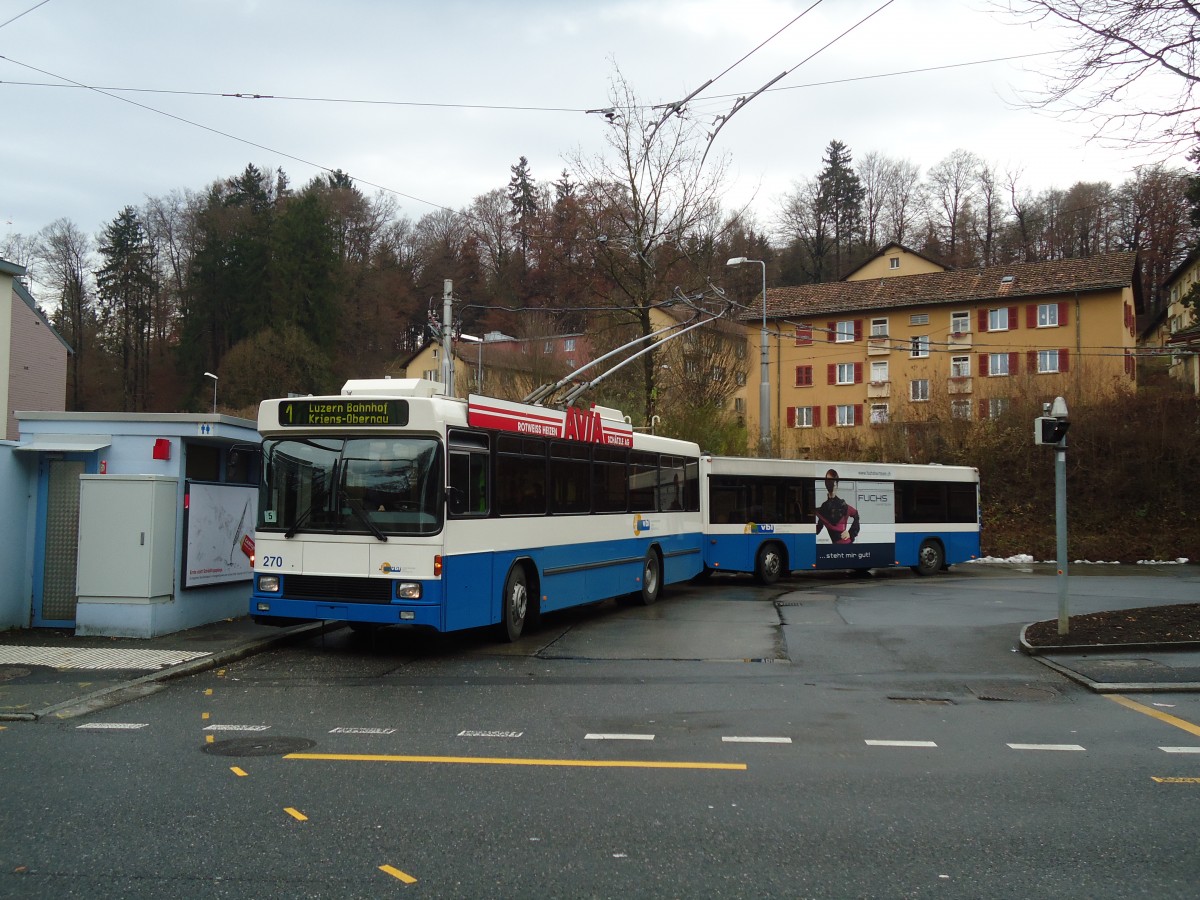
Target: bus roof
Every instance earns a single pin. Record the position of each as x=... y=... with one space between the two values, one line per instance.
x=846 y=470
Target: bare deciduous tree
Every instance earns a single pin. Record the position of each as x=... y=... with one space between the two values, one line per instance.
x=1130 y=67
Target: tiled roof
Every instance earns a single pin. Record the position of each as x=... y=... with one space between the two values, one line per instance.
x=995 y=283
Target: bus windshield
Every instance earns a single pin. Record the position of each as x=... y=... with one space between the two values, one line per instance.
x=378 y=485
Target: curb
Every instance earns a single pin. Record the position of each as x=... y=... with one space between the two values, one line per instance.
x=191 y=667
x=1033 y=650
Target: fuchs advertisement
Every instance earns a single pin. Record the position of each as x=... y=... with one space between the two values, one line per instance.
x=856 y=523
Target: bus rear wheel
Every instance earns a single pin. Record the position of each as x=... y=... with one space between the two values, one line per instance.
x=514 y=605
x=651 y=578
x=768 y=565
x=931 y=558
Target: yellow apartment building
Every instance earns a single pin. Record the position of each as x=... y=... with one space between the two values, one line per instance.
x=1180 y=329
x=903 y=339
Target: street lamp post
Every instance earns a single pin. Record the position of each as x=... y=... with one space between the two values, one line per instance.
x=214 y=378
x=764 y=385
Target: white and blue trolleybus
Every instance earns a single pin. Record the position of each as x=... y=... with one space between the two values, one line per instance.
x=391 y=504
x=774 y=516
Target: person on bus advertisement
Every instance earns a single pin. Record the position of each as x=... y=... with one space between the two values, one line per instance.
x=839 y=519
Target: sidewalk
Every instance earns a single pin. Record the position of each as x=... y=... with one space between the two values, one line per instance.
x=48 y=674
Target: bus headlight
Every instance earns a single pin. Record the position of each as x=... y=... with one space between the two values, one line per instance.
x=408 y=590
x=268 y=583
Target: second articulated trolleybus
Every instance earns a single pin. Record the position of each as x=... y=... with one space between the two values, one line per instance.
x=771 y=516
x=392 y=504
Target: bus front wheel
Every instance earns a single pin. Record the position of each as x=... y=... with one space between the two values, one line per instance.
x=514 y=605
x=768 y=565
x=930 y=558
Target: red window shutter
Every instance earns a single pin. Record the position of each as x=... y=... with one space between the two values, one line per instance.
x=983 y=319
x=832 y=373
x=832 y=331
x=1063 y=364
x=1012 y=318
x=831 y=415
x=1014 y=363
x=858 y=413
x=803 y=335
x=1031 y=358
x=1063 y=314
x=983 y=365
x=983 y=409
x=791 y=417
x=1031 y=316
x=858 y=369
x=858 y=329
x=816 y=416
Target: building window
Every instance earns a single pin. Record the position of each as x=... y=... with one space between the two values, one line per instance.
x=1047 y=315
x=1047 y=361
x=879 y=371
x=845 y=373
x=569 y=345
x=804 y=376
x=430 y=374
x=919 y=319
x=739 y=405
x=918 y=389
x=879 y=413
x=997 y=364
x=920 y=347
x=960 y=323
x=997 y=407
x=879 y=328
x=570 y=364
x=844 y=332
x=740 y=379
x=960 y=409
x=802 y=417
x=960 y=367
x=997 y=319
x=845 y=414
x=548 y=347
x=893 y=262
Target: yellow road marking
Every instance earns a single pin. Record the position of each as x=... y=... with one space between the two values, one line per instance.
x=396 y=873
x=208 y=692
x=205 y=715
x=1175 y=780
x=239 y=772
x=208 y=738
x=295 y=814
x=508 y=761
x=1150 y=711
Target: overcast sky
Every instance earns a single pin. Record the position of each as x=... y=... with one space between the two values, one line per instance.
x=76 y=153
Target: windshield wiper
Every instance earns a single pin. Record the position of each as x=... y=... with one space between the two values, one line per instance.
x=366 y=520
x=300 y=520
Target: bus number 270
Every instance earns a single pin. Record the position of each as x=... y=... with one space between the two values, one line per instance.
x=272 y=562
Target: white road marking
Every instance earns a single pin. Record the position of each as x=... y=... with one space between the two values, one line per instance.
x=619 y=737
x=901 y=744
x=1180 y=749
x=491 y=734
x=1074 y=747
x=237 y=727
x=113 y=726
x=362 y=731
x=95 y=658
x=756 y=740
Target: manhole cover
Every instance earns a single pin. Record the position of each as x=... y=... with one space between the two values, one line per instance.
x=1015 y=692
x=12 y=673
x=280 y=746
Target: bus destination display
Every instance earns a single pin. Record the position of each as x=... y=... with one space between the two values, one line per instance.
x=342 y=413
